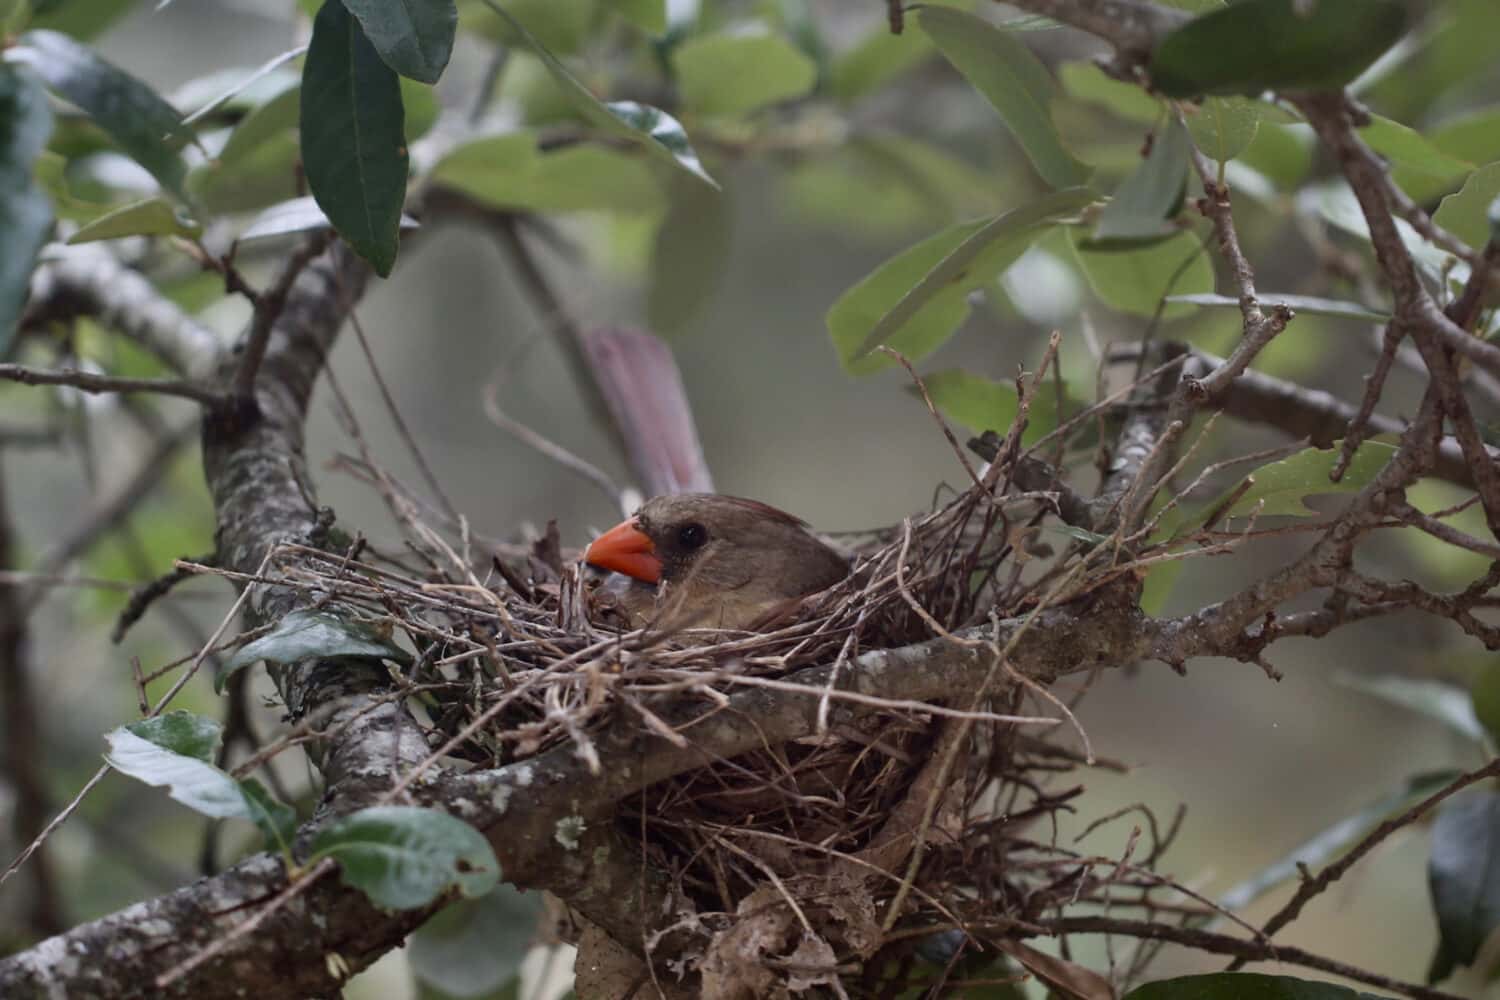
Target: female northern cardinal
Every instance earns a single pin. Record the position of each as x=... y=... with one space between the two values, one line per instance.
x=715 y=561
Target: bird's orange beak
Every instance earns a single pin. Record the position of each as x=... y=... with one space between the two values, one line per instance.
x=627 y=549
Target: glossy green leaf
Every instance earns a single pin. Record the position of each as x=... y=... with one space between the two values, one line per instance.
x=260 y=176
x=1014 y=81
x=1083 y=80
x=982 y=404
x=1463 y=875
x=279 y=113
x=1142 y=207
x=648 y=15
x=876 y=60
x=306 y=635
x=509 y=172
x=422 y=108
x=146 y=127
x=414 y=37
x=297 y=215
x=1473 y=137
x=688 y=257
x=1484 y=700
x=475 y=946
x=1282 y=154
x=25 y=211
x=916 y=300
x=1321 y=47
x=181 y=733
x=149 y=217
x=561 y=25
x=651 y=128
x=1336 y=203
x=353 y=142
x=1420 y=167
x=82 y=19
x=1466 y=214
x=276 y=820
x=1442 y=702
x=1328 y=844
x=404 y=857
x=882 y=185
x=176 y=751
x=1135 y=280
x=1282 y=485
x=1224 y=127
x=233 y=90
x=727 y=74
x=1243 y=986
x=1305 y=304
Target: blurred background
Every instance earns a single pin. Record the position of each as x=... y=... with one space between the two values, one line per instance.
x=1262 y=765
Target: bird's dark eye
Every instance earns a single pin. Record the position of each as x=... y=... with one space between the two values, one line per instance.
x=691 y=536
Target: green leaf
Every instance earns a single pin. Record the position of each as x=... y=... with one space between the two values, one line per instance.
x=276 y=115
x=737 y=74
x=146 y=127
x=276 y=820
x=876 y=60
x=181 y=733
x=1318 y=46
x=981 y=404
x=1224 y=127
x=176 y=750
x=474 y=946
x=914 y=301
x=25 y=211
x=688 y=257
x=422 y=108
x=353 y=144
x=296 y=215
x=1484 y=701
x=1283 y=484
x=414 y=37
x=1085 y=81
x=648 y=15
x=1283 y=154
x=1145 y=201
x=1331 y=842
x=404 y=857
x=307 y=635
x=1135 y=280
x=1014 y=81
x=880 y=185
x=1463 y=875
x=235 y=91
x=82 y=19
x=509 y=172
x=1423 y=170
x=1472 y=137
x=1304 y=304
x=652 y=129
x=1243 y=986
x=260 y=176
x=149 y=217
x=1466 y=214
x=560 y=25
x=1442 y=702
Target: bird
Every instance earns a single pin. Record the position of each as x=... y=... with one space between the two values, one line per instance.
x=706 y=560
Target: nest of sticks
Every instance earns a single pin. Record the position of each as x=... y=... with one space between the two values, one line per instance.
x=902 y=846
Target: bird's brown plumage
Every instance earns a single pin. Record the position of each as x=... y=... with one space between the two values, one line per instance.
x=716 y=561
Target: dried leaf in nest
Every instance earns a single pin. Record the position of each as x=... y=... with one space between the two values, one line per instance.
x=736 y=964
x=1064 y=977
x=605 y=969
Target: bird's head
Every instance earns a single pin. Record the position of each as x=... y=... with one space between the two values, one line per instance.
x=718 y=543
